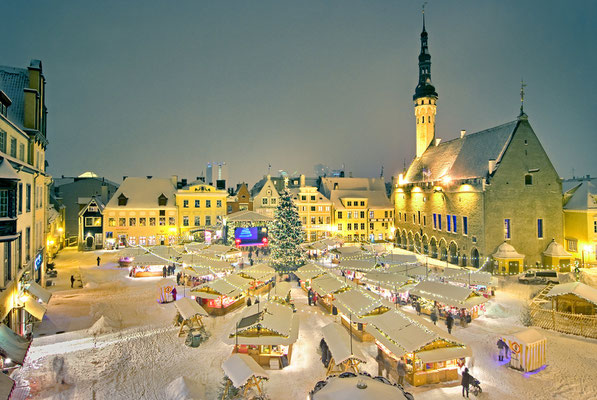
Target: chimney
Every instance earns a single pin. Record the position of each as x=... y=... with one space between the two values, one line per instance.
x=462 y=133
x=124 y=177
x=183 y=181
x=104 y=193
x=174 y=180
x=491 y=166
x=149 y=176
x=302 y=180
x=437 y=141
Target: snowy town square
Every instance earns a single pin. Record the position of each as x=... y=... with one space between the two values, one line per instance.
x=282 y=200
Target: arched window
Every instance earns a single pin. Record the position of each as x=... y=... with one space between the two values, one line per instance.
x=423 y=119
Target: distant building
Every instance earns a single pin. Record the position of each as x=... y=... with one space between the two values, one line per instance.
x=23 y=193
x=75 y=192
x=489 y=195
x=91 y=225
x=201 y=209
x=580 y=219
x=267 y=198
x=142 y=211
x=315 y=211
x=55 y=231
x=240 y=200
x=216 y=174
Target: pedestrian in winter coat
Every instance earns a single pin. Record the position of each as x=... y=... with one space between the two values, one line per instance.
x=401 y=369
x=72 y=280
x=314 y=298
x=418 y=308
x=449 y=322
x=310 y=296
x=174 y=294
x=98 y=261
x=164 y=271
x=466 y=381
x=501 y=348
x=248 y=302
x=434 y=316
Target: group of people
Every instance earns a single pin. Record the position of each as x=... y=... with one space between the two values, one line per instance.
x=312 y=297
x=168 y=270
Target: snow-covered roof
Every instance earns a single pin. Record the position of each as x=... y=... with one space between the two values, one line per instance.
x=142 y=192
x=506 y=250
x=230 y=286
x=13 y=81
x=7 y=172
x=346 y=183
x=393 y=259
x=467 y=276
x=12 y=345
x=314 y=246
x=92 y=200
x=197 y=271
x=220 y=250
x=258 y=272
x=331 y=242
x=349 y=252
x=35 y=308
x=462 y=158
x=328 y=284
x=445 y=293
x=148 y=259
x=36 y=290
x=196 y=247
x=579 y=289
x=386 y=280
x=248 y=216
x=415 y=270
x=164 y=251
x=401 y=333
x=188 y=308
x=310 y=271
x=266 y=323
x=130 y=252
x=281 y=289
x=358 y=303
x=580 y=194
x=239 y=368
x=526 y=336
x=338 y=341
x=195 y=260
x=555 y=249
x=376 y=199
x=358 y=265
x=346 y=387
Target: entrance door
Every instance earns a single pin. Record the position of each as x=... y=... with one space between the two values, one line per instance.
x=98 y=240
x=513 y=267
x=89 y=242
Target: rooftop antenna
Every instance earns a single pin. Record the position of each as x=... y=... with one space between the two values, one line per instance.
x=522 y=86
x=423 y=11
x=269 y=169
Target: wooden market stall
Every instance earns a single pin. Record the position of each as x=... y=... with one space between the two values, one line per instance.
x=266 y=331
x=222 y=252
x=415 y=271
x=244 y=373
x=357 y=387
x=354 y=306
x=527 y=349
x=354 y=269
x=326 y=286
x=126 y=255
x=281 y=293
x=167 y=252
x=344 y=356
x=222 y=295
x=573 y=297
x=147 y=265
x=480 y=281
x=388 y=284
x=339 y=254
x=398 y=259
x=191 y=313
x=260 y=276
x=308 y=272
x=430 y=353
x=450 y=298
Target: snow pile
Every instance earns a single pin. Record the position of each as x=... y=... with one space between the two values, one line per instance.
x=91 y=285
x=588 y=276
x=101 y=326
x=497 y=311
x=183 y=388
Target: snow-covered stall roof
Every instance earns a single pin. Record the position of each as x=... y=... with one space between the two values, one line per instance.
x=239 y=368
x=310 y=271
x=130 y=252
x=266 y=323
x=445 y=293
x=188 y=308
x=229 y=286
x=248 y=216
x=196 y=247
x=12 y=345
x=149 y=259
x=164 y=251
x=6 y=385
x=579 y=289
x=258 y=272
x=526 y=336
x=349 y=252
x=464 y=275
x=214 y=265
x=36 y=290
x=393 y=259
x=345 y=387
x=327 y=284
x=387 y=280
x=415 y=270
x=319 y=246
x=358 y=303
x=401 y=333
x=281 y=289
x=197 y=271
x=338 y=341
x=331 y=242
x=358 y=265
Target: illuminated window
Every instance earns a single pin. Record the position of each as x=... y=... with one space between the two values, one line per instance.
x=371 y=214
x=348 y=214
x=162 y=221
x=273 y=200
x=264 y=201
x=185 y=204
x=111 y=221
x=349 y=226
x=197 y=203
x=540 y=228
x=339 y=214
x=121 y=221
x=142 y=221
x=572 y=244
x=132 y=221
x=171 y=221
x=151 y=221
x=507 y=234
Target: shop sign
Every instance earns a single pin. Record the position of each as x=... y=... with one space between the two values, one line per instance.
x=38 y=261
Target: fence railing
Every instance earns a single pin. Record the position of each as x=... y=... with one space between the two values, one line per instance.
x=576 y=324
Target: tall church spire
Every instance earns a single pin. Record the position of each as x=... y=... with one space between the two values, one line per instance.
x=425 y=98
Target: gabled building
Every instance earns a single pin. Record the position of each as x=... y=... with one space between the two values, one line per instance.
x=267 y=198
x=241 y=200
x=91 y=225
x=201 y=209
x=315 y=211
x=580 y=219
x=142 y=211
x=461 y=199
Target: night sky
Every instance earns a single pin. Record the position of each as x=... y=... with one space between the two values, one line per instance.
x=162 y=87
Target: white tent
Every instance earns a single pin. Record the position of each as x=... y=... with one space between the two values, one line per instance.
x=328 y=284
x=310 y=271
x=188 y=308
x=149 y=259
x=445 y=293
x=338 y=341
x=242 y=370
x=360 y=387
x=527 y=349
x=358 y=265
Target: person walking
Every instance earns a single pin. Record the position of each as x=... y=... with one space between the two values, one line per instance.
x=466 y=381
x=401 y=369
x=433 y=316
x=72 y=281
x=449 y=322
x=164 y=271
x=501 y=349
x=98 y=261
x=310 y=295
x=418 y=308
x=173 y=294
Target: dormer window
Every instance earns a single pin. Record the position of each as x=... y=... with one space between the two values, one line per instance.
x=162 y=200
x=122 y=200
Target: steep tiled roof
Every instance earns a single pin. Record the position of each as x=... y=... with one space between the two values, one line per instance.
x=144 y=193
x=466 y=157
x=12 y=82
x=580 y=194
x=376 y=198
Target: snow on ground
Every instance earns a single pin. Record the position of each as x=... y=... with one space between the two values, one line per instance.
x=119 y=343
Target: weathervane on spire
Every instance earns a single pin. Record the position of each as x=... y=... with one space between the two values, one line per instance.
x=522 y=86
x=423 y=11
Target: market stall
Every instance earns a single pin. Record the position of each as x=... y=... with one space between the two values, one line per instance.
x=260 y=276
x=326 y=286
x=147 y=265
x=573 y=297
x=357 y=387
x=222 y=295
x=191 y=313
x=390 y=285
x=167 y=252
x=222 y=252
x=125 y=256
x=244 y=373
x=430 y=353
x=353 y=306
x=347 y=253
x=354 y=269
x=527 y=349
x=457 y=300
x=344 y=357
x=281 y=293
x=308 y=272
x=266 y=331
x=398 y=259
x=481 y=282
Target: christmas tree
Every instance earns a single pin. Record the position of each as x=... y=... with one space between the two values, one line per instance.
x=286 y=236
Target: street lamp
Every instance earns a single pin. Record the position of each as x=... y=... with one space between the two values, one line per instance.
x=585 y=248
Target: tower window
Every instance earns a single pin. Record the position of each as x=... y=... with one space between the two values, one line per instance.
x=423 y=119
x=528 y=179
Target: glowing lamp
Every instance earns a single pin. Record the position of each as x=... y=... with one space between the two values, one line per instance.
x=446 y=180
x=587 y=248
x=237 y=241
x=264 y=240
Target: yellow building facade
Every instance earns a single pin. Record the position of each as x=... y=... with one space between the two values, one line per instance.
x=580 y=219
x=315 y=212
x=200 y=207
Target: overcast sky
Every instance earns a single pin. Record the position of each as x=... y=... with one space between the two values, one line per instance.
x=162 y=87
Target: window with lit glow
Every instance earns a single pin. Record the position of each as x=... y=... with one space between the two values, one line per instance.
x=540 y=228
x=507 y=233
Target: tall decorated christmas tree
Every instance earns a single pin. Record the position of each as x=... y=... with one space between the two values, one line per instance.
x=286 y=236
